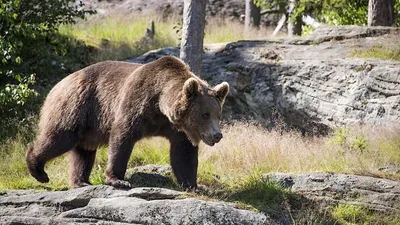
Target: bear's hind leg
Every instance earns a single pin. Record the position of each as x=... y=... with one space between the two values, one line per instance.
x=80 y=166
x=46 y=148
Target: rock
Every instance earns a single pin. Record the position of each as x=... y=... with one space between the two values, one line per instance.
x=329 y=189
x=311 y=82
x=150 y=176
x=150 y=168
x=391 y=169
x=107 y=205
x=184 y=211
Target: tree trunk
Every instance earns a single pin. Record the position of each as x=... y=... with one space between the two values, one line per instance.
x=252 y=16
x=294 y=24
x=193 y=34
x=380 y=13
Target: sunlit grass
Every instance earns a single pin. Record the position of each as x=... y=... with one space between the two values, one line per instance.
x=116 y=37
x=363 y=150
x=14 y=173
x=218 y=30
x=119 y=37
x=379 y=52
x=244 y=151
x=353 y=215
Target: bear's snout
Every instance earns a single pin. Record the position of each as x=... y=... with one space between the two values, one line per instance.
x=217 y=137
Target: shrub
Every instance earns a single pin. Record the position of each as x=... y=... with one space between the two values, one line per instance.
x=32 y=52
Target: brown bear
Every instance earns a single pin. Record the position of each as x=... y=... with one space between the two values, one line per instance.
x=120 y=103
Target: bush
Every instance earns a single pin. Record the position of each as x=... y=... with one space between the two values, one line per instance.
x=32 y=52
x=333 y=12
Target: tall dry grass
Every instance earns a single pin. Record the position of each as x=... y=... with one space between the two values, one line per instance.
x=220 y=30
x=247 y=149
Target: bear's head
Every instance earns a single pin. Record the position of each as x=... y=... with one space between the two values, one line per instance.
x=198 y=110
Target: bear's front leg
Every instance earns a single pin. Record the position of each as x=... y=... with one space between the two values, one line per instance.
x=121 y=145
x=184 y=161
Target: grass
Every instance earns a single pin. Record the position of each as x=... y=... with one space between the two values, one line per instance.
x=379 y=52
x=218 y=30
x=116 y=37
x=120 y=37
x=360 y=150
x=352 y=215
x=15 y=175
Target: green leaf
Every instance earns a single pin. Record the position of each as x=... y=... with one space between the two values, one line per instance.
x=18 y=60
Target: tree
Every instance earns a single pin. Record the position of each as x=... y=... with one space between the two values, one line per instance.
x=252 y=16
x=194 y=12
x=295 y=22
x=381 y=13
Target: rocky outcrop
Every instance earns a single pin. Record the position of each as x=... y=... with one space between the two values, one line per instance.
x=330 y=189
x=148 y=205
x=312 y=84
x=107 y=205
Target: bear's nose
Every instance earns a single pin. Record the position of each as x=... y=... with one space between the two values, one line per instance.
x=217 y=137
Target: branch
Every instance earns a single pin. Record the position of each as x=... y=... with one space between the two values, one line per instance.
x=275 y=11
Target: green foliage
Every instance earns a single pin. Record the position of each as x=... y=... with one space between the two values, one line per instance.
x=346 y=13
x=14 y=96
x=333 y=12
x=31 y=52
x=343 y=138
x=359 y=144
x=340 y=135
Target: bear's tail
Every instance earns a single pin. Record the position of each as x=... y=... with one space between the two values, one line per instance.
x=35 y=167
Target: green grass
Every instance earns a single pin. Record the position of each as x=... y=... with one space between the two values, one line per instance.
x=359 y=150
x=379 y=52
x=14 y=173
x=357 y=215
x=117 y=38
x=262 y=194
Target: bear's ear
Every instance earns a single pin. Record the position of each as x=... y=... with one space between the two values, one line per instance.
x=190 y=87
x=222 y=90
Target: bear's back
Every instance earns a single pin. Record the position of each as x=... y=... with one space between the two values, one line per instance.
x=85 y=99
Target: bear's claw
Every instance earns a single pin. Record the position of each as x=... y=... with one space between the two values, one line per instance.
x=80 y=184
x=120 y=184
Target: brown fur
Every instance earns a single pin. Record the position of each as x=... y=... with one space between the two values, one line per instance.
x=119 y=103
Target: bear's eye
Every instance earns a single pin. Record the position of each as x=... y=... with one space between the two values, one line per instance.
x=206 y=115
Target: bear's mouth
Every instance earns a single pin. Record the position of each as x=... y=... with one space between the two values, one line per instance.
x=210 y=143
